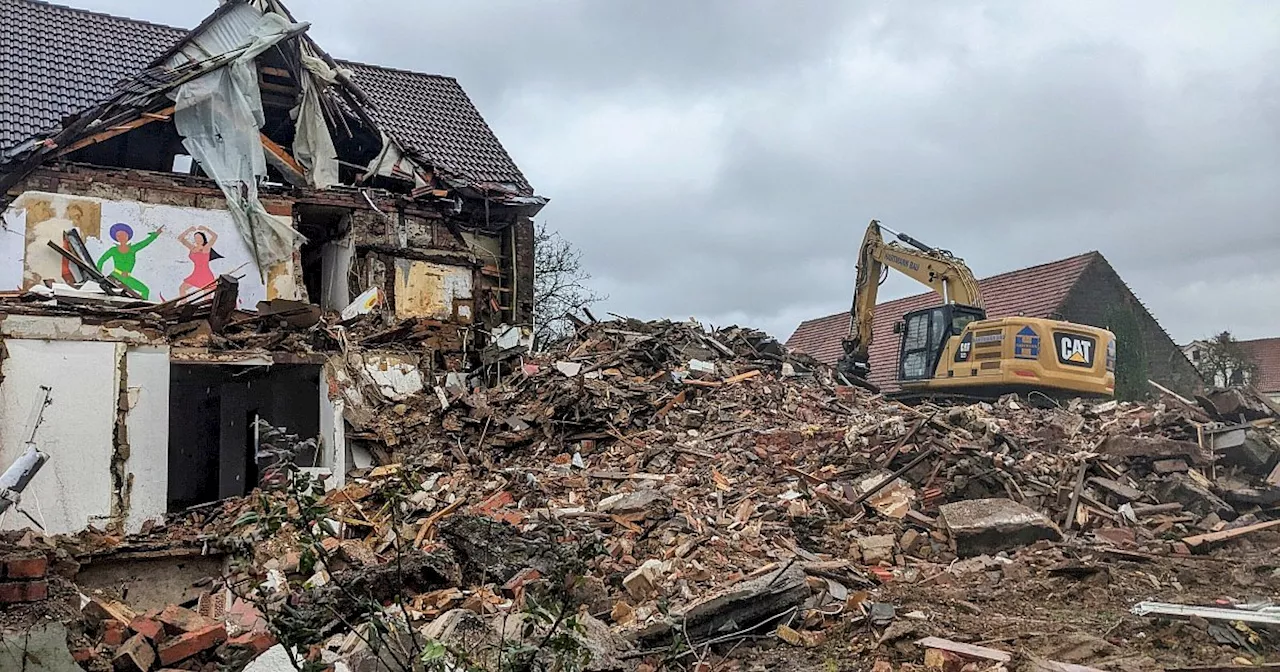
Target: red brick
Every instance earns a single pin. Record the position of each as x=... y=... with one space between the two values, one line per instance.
x=149 y=628
x=30 y=567
x=257 y=642
x=113 y=633
x=192 y=643
x=84 y=655
x=23 y=591
x=178 y=620
x=525 y=576
x=135 y=656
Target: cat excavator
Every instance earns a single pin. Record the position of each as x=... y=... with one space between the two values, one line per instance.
x=953 y=349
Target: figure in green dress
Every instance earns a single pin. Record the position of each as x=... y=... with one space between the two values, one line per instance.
x=124 y=256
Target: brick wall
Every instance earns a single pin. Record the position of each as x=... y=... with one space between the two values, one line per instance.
x=523 y=232
x=1144 y=350
x=23 y=577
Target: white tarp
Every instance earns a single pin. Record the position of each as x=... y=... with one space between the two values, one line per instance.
x=312 y=143
x=219 y=116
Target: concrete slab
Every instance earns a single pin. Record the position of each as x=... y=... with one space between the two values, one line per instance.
x=980 y=526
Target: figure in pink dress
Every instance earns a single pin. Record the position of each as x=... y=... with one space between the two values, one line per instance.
x=199 y=240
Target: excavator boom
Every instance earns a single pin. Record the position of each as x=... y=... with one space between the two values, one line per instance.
x=941 y=271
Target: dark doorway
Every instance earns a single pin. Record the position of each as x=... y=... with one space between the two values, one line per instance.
x=213 y=409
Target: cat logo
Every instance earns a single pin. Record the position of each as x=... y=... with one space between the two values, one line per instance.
x=965 y=349
x=1075 y=350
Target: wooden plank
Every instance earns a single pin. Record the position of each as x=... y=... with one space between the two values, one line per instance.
x=742 y=376
x=283 y=161
x=146 y=118
x=620 y=476
x=94 y=272
x=1228 y=534
x=967 y=650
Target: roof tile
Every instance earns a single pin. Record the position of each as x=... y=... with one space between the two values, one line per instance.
x=1037 y=291
x=56 y=61
x=1265 y=353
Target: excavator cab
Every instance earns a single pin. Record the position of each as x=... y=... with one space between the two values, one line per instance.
x=925 y=334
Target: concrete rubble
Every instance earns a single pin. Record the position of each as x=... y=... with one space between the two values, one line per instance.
x=680 y=514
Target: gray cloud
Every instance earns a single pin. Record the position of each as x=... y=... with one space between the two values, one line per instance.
x=719 y=159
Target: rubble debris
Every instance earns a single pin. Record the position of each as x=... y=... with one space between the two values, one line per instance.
x=1194 y=496
x=751 y=604
x=1237 y=404
x=981 y=526
x=713 y=505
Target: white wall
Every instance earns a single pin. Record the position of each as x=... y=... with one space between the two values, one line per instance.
x=74 y=488
x=162 y=266
x=148 y=428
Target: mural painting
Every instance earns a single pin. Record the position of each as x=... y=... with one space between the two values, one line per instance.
x=123 y=256
x=135 y=243
x=199 y=240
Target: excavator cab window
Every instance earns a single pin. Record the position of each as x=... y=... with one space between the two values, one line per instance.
x=926 y=330
x=925 y=337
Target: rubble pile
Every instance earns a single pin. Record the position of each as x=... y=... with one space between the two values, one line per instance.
x=708 y=489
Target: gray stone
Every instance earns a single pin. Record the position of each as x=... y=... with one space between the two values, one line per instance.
x=1193 y=497
x=630 y=502
x=980 y=526
x=877 y=549
x=1250 y=450
x=1155 y=448
x=39 y=649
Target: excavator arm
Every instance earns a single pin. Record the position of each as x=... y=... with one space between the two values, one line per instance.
x=937 y=269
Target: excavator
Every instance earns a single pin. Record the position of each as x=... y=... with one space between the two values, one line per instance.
x=953 y=349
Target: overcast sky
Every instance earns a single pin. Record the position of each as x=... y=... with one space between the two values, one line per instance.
x=721 y=158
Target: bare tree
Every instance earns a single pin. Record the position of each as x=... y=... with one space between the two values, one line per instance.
x=1223 y=362
x=559 y=285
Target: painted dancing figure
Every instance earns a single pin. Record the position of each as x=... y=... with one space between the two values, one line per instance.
x=199 y=241
x=124 y=256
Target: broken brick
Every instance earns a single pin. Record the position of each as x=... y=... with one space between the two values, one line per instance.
x=256 y=642
x=150 y=628
x=113 y=633
x=519 y=580
x=178 y=620
x=191 y=644
x=136 y=655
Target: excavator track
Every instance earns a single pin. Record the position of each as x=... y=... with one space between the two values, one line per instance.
x=1033 y=398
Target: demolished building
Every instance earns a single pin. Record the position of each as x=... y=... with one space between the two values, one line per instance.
x=169 y=196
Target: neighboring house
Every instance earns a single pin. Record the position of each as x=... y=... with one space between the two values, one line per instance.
x=1264 y=353
x=1083 y=289
x=172 y=159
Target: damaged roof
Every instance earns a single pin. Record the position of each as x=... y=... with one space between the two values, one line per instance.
x=53 y=64
x=1038 y=291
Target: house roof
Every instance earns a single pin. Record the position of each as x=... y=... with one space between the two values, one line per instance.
x=56 y=61
x=1265 y=353
x=1038 y=291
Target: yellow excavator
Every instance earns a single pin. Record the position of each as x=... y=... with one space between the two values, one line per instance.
x=953 y=349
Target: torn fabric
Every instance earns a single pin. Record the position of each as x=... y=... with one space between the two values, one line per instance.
x=219 y=116
x=312 y=143
x=391 y=162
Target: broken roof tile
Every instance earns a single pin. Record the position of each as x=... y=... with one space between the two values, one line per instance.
x=56 y=61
